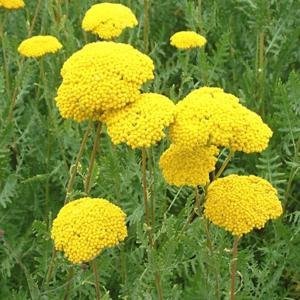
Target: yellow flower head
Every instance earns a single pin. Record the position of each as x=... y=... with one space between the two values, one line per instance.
x=12 y=4
x=187 y=40
x=108 y=20
x=85 y=227
x=39 y=45
x=209 y=116
x=241 y=203
x=189 y=167
x=101 y=76
x=140 y=124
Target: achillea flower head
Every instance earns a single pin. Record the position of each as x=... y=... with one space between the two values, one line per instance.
x=142 y=123
x=39 y=45
x=241 y=203
x=209 y=116
x=189 y=167
x=108 y=20
x=101 y=76
x=12 y=4
x=187 y=40
x=85 y=227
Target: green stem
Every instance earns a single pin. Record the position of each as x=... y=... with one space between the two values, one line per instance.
x=92 y=160
x=73 y=169
x=197 y=201
x=97 y=282
x=3 y=20
x=146 y=25
x=260 y=71
x=293 y=173
x=51 y=267
x=148 y=223
x=71 y=274
x=152 y=188
x=123 y=265
x=233 y=267
x=145 y=192
x=200 y=15
x=224 y=165
x=37 y=9
x=87 y=189
x=158 y=285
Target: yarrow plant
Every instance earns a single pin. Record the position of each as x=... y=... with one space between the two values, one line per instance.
x=188 y=167
x=99 y=77
x=38 y=46
x=108 y=20
x=187 y=40
x=209 y=116
x=240 y=204
x=85 y=227
x=206 y=120
x=12 y=4
x=142 y=123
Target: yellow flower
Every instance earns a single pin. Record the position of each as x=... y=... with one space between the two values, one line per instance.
x=85 y=227
x=12 y=4
x=108 y=20
x=187 y=40
x=189 y=167
x=241 y=203
x=39 y=45
x=209 y=116
x=101 y=76
x=140 y=124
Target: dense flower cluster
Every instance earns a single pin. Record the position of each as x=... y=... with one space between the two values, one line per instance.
x=85 y=227
x=39 y=45
x=140 y=124
x=189 y=167
x=12 y=4
x=187 y=40
x=101 y=76
x=108 y=20
x=209 y=116
x=241 y=203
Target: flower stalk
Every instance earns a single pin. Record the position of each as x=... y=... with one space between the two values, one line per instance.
x=92 y=160
x=97 y=282
x=233 y=267
x=74 y=168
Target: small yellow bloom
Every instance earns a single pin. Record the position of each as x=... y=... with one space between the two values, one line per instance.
x=39 y=45
x=209 y=116
x=108 y=20
x=241 y=203
x=142 y=123
x=99 y=77
x=187 y=40
x=85 y=227
x=189 y=167
x=12 y=4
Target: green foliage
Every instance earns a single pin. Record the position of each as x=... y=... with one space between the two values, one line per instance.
x=38 y=149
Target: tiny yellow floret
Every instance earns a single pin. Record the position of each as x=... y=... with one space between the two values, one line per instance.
x=99 y=77
x=187 y=40
x=209 y=116
x=85 y=227
x=108 y=20
x=190 y=167
x=142 y=123
x=12 y=4
x=39 y=45
x=241 y=203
